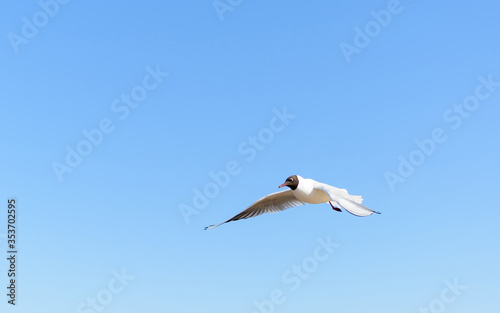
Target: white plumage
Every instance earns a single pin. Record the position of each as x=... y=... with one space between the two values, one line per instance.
x=302 y=191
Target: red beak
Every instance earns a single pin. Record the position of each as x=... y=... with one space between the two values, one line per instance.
x=282 y=185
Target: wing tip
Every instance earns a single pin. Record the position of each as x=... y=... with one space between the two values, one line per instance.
x=213 y=226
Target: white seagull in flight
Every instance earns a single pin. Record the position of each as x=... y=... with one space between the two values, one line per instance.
x=302 y=191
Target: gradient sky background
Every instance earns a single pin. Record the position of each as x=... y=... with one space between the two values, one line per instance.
x=119 y=208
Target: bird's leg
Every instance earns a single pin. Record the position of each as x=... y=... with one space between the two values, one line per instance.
x=335 y=208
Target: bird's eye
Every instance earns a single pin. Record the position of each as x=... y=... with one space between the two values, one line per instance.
x=291 y=179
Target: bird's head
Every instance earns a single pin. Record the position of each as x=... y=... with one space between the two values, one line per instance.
x=292 y=182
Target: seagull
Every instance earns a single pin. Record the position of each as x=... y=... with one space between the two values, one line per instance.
x=302 y=191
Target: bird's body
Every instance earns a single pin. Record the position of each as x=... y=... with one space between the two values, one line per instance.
x=306 y=192
x=302 y=191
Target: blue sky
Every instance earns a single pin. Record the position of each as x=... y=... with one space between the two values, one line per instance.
x=157 y=99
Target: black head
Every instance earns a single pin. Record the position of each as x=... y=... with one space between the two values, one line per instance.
x=292 y=182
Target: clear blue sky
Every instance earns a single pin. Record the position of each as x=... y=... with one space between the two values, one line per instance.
x=400 y=106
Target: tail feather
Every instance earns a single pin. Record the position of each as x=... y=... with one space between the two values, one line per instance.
x=357 y=199
x=355 y=208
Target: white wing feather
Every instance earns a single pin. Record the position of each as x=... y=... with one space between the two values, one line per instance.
x=351 y=204
x=274 y=202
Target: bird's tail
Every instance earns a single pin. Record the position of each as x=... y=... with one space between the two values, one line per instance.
x=357 y=199
x=354 y=207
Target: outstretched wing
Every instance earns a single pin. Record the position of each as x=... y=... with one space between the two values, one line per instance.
x=343 y=199
x=274 y=202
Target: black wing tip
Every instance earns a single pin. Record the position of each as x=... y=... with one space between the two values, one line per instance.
x=377 y=212
x=213 y=226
